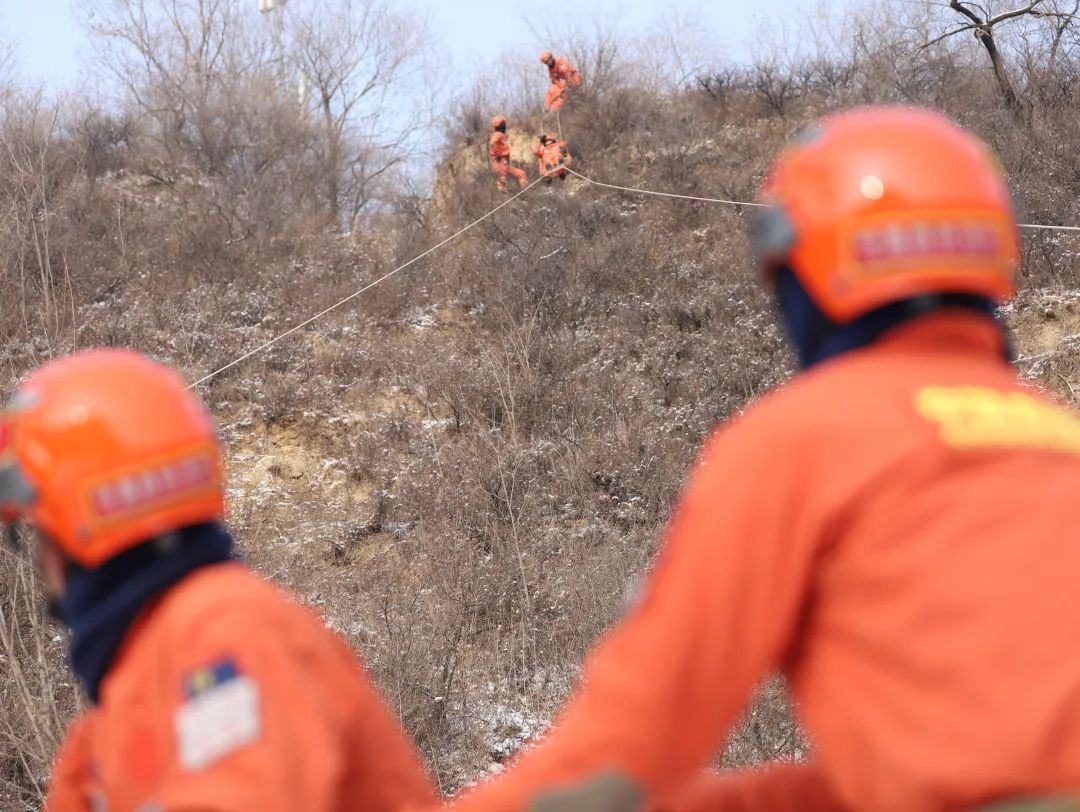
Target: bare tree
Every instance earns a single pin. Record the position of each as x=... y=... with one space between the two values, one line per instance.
x=30 y=175
x=7 y=60
x=204 y=82
x=1047 y=48
x=718 y=84
x=981 y=20
x=782 y=54
x=1063 y=17
x=777 y=86
x=364 y=67
x=674 y=54
x=179 y=62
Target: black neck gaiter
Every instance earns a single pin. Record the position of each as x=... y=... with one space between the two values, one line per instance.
x=99 y=605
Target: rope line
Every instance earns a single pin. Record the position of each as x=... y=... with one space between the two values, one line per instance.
x=747 y=203
x=483 y=217
x=1048 y=228
x=364 y=289
x=664 y=194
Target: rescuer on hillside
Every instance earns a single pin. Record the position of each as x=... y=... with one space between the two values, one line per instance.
x=553 y=157
x=499 y=150
x=210 y=688
x=563 y=76
x=894 y=529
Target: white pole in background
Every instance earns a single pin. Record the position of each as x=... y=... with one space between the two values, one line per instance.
x=275 y=13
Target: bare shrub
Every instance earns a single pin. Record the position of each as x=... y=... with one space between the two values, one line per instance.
x=362 y=65
x=37 y=692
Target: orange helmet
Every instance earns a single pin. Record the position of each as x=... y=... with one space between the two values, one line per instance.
x=498 y=123
x=882 y=204
x=546 y=57
x=104 y=450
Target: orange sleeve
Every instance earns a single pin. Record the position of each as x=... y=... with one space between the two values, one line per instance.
x=774 y=788
x=303 y=734
x=69 y=785
x=662 y=689
x=566 y=73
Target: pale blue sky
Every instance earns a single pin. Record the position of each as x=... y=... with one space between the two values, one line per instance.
x=52 y=47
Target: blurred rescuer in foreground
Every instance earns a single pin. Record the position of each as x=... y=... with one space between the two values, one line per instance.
x=894 y=529
x=563 y=76
x=499 y=151
x=210 y=688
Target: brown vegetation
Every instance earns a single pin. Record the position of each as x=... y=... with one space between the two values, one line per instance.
x=465 y=471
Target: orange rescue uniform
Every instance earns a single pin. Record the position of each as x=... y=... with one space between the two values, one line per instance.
x=229 y=696
x=562 y=75
x=895 y=530
x=552 y=158
x=499 y=150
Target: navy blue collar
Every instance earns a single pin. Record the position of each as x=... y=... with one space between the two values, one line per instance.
x=99 y=605
x=815 y=338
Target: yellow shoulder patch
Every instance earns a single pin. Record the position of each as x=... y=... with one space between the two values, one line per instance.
x=981 y=417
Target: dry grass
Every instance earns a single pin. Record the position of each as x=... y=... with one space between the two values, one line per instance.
x=37 y=692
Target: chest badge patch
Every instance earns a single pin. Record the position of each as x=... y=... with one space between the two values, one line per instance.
x=220 y=715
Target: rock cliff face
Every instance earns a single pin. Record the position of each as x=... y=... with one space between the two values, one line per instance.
x=469 y=163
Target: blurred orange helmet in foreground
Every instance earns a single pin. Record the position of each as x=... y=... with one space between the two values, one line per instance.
x=104 y=450
x=497 y=122
x=546 y=57
x=882 y=204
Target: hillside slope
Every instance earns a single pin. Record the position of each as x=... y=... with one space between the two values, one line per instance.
x=478 y=505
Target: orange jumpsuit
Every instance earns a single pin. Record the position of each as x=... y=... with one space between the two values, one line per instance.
x=562 y=75
x=499 y=150
x=228 y=696
x=896 y=530
x=552 y=159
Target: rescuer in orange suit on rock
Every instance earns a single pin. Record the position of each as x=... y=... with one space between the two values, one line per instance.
x=499 y=150
x=553 y=157
x=210 y=688
x=894 y=529
x=563 y=75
